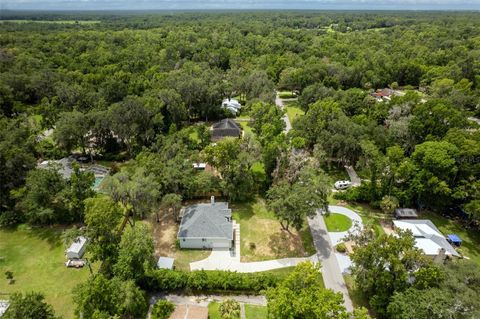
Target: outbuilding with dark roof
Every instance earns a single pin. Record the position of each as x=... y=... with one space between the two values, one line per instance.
x=405 y=213
x=226 y=128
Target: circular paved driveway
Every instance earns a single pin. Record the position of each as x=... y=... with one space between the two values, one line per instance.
x=337 y=237
x=343 y=260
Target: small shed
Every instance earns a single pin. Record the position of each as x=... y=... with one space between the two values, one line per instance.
x=405 y=213
x=454 y=239
x=165 y=263
x=77 y=248
x=4 y=304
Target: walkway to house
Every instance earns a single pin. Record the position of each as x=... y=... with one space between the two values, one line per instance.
x=226 y=259
x=333 y=263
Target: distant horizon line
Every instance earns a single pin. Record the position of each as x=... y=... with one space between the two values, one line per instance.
x=394 y=9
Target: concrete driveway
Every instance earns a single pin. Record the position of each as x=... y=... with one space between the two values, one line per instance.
x=333 y=264
x=223 y=260
x=226 y=259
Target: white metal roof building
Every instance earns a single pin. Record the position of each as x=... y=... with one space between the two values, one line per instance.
x=232 y=105
x=427 y=236
x=77 y=248
x=4 y=304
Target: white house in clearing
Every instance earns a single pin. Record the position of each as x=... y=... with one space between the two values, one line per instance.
x=232 y=105
x=206 y=226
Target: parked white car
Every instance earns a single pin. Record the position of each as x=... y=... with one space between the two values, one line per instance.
x=342 y=184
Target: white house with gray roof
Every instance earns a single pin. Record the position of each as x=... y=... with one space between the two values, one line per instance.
x=206 y=226
x=427 y=237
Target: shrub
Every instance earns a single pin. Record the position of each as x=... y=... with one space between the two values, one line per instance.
x=162 y=309
x=341 y=248
x=212 y=280
x=230 y=309
x=252 y=246
x=9 y=274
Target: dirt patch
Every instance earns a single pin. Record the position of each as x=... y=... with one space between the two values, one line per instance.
x=165 y=235
x=387 y=227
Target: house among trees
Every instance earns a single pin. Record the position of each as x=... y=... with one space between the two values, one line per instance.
x=386 y=94
x=63 y=166
x=206 y=226
x=231 y=105
x=427 y=237
x=225 y=128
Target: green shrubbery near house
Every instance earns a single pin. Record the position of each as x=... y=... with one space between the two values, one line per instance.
x=209 y=281
x=162 y=309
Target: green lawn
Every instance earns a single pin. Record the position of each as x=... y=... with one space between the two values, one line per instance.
x=369 y=215
x=214 y=311
x=337 y=222
x=470 y=237
x=251 y=311
x=262 y=237
x=293 y=112
x=36 y=257
x=183 y=257
x=246 y=127
x=286 y=95
x=255 y=312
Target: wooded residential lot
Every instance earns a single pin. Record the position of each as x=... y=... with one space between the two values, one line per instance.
x=112 y=126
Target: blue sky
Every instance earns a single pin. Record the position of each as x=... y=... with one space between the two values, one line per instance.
x=239 y=4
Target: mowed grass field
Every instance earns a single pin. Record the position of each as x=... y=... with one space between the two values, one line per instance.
x=36 y=257
x=261 y=235
x=294 y=112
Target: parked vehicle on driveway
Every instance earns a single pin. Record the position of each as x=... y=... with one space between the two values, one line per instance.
x=342 y=184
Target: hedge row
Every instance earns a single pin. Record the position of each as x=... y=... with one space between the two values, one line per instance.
x=174 y=280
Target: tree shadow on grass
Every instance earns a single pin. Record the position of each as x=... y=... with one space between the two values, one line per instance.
x=284 y=244
x=52 y=235
x=244 y=211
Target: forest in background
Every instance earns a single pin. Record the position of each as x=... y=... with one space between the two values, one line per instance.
x=138 y=93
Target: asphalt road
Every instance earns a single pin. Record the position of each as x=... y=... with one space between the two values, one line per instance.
x=331 y=273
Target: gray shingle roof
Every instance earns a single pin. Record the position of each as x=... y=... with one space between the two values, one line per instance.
x=406 y=212
x=226 y=127
x=207 y=221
